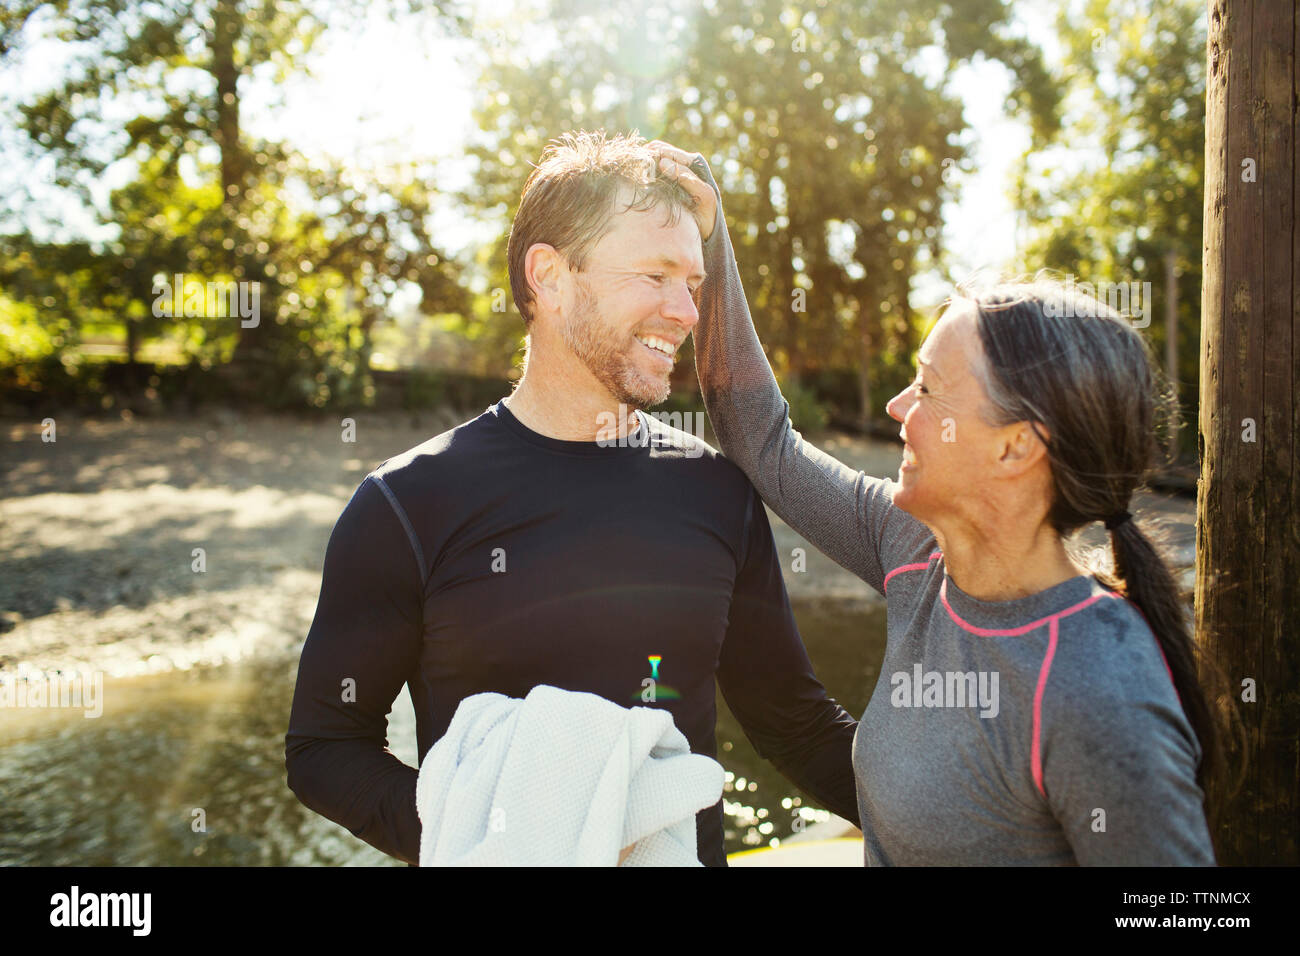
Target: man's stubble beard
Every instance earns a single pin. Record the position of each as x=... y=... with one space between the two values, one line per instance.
x=596 y=343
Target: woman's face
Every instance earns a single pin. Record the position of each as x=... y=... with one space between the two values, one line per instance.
x=950 y=453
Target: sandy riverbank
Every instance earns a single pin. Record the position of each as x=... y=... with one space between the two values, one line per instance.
x=98 y=532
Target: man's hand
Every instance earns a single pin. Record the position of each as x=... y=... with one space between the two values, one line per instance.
x=676 y=163
x=624 y=853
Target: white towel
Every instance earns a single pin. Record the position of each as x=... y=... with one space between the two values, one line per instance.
x=561 y=778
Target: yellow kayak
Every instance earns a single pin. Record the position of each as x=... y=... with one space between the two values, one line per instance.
x=841 y=851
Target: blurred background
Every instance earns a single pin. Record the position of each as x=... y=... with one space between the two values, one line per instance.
x=358 y=165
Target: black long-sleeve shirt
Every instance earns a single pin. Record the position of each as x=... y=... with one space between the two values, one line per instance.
x=493 y=558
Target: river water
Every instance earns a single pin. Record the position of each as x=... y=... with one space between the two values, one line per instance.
x=187 y=767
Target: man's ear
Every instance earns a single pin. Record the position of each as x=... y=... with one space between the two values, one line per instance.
x=1023 y=446
x=545 y=271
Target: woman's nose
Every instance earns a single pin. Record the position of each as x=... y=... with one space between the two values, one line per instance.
x=898 y=405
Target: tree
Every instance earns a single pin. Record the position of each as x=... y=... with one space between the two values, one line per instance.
x=1117 y=191
x=826 y=134
x=210 y=201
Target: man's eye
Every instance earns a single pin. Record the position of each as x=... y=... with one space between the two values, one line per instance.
x=657 y=276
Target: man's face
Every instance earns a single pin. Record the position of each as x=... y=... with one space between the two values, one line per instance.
x=633 y=305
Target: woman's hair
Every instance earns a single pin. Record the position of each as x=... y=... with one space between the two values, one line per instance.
x=1068 y=363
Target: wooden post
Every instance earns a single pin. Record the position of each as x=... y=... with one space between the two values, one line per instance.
x=1248 y=542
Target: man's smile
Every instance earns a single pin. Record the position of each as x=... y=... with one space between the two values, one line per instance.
x=662 y=348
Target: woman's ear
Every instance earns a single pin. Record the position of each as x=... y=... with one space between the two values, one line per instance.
x=1024 y=445
x=544 y=271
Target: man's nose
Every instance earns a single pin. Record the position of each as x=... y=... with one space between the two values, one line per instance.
x=680 y=307
x=898 y=405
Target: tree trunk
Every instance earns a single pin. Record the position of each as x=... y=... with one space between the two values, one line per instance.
x=132 y=340
x=784 y=270
x=227 y=26
x=369 y=316
x=1247 y=535
x=1171 y=336
x=866 y=339
x=225 y=31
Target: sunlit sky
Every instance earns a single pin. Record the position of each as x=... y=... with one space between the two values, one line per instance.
x=385 y=92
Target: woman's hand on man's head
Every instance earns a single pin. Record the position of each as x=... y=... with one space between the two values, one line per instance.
x=676 y=163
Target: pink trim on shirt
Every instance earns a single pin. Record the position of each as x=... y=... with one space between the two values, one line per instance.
x=1035 y=754
x=920 y=566
x=1052 y=621
x=1015 y=631
x=1053 y=629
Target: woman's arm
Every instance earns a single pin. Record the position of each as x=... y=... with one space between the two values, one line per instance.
x=1118 y=755
x=844 y=512
x=1131 y=800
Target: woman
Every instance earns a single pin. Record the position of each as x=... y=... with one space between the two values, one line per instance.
x=1027 y=711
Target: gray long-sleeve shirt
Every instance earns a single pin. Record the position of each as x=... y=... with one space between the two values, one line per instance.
x=1043 y=730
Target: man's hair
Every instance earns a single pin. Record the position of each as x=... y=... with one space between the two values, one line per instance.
x=568 y=201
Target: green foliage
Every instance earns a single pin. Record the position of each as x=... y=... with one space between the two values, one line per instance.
x=829 y=140
x=424 y=389
x=807 y=412
x=1122 y=183
x=23 y=337
x=829 y=126
x=326 y=249
x=430 y=388
x=39 y=385
x=49 y=382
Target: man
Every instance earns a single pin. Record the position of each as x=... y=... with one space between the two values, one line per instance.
x=564 y=537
